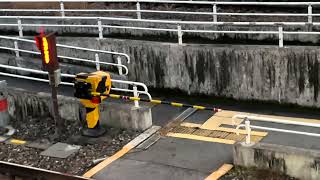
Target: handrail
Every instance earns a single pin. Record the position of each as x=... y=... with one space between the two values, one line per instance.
x=137 y=92
x=178 y=30
x=177 y=2
x=248 y=126
x=97 y=61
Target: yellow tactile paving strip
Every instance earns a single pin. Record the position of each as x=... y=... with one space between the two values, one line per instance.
x=226 y=137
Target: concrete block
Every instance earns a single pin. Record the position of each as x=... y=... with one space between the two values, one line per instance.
x=296 y=162
x=23 y=104
x=125 y=115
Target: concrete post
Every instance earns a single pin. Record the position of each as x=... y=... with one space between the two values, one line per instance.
x=4 y=114
x=138 y=10
x=62 y=9
x=214 y=10
x=16 y=47
x=119 y=67
x=179 y=35
x=280 y=36
x=135 y=94
x=100 y=29
x=97 y=61
x=20 y=28
x=248 y=130
x=310 y=14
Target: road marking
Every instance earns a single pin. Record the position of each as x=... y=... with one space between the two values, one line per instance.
x=230 y=130
x=220 y=172
x=108 y=161
x=200 y=138
x=132 y=144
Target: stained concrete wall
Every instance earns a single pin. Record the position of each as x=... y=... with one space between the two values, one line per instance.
x=296 y=162
x=267 y=73
x=24 y=105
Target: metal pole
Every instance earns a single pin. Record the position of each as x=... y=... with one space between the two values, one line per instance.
x=179 y=35
x=310 y=14
x=58 y=121
x=62 y=9
x=138 y=10
x=135 y=94
x=119 y=67
x=20 y=28
x=16 y=47
x=100 y=29
x=97 y=61
x=280 y=36
x=248 y=129
x=215 y=16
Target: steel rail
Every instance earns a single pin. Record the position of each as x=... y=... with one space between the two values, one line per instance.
x=24 y=171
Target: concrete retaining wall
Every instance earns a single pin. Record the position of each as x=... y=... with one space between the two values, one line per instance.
x=266 y=73
x=23 y=105
x=299 y=163
x=286 y=75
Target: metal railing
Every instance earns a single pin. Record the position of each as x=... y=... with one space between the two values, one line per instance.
x=138 y=10
x=97 y=61
x=248 y=127
x=179 y=30
x=134 y=85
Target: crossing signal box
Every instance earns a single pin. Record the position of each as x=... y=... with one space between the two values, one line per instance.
x=46 y=43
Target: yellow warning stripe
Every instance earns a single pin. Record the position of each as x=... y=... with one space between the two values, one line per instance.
x=108 y=161
x=200 y=138
x=155 y=101
x=17 y=141
x=115 y=96
x=176 y=104
x=134 y=98
x=199 y=107
x=220 y=172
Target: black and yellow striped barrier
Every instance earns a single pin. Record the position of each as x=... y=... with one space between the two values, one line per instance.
x=158 y=102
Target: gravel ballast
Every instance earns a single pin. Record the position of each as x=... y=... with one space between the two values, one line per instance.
x=42 y=129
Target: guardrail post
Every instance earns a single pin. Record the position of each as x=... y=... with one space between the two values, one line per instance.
x=135 y=94
x=119 y=67
x=215 y=16
x=20 y=28
x=310 y=13
x=248 y=130
x=179 y=35
x=16 y=47
x=62 y=9
x=100 y=29
x=138 y=10
x=97 y=62
x=280 y=36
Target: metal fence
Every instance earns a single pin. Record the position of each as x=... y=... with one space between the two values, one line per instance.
x=248 y=126
x=138 y=88
x=15 y=47
x=179 y=30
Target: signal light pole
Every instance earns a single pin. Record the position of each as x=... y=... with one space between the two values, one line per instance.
x=47 y=45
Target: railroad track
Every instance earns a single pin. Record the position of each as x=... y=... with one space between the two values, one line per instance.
x=12 y=171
